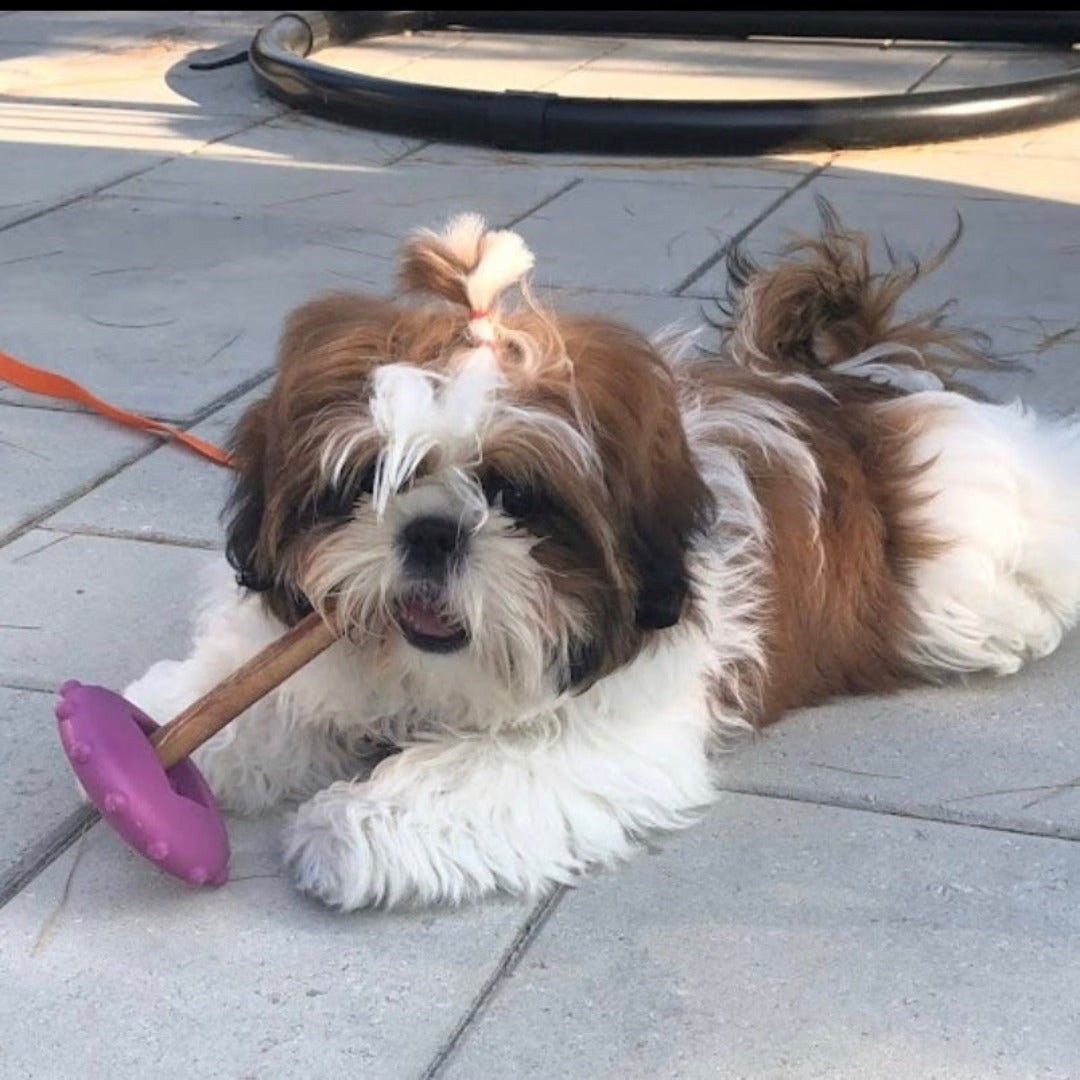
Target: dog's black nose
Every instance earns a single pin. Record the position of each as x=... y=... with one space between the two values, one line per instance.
x=430 y=544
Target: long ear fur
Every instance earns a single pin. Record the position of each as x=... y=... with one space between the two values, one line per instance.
x=247 y=502
x=628 y=395
x=663 y=532
x=659 y=556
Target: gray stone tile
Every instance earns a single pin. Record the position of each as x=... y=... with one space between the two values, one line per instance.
x=301 y=141
x=123 y=29
x=480 y=61
x=37 y=787
x=317 y=188
x=1053 y=142
x=997 y=752
x=645 y=312
x=39 y=177
x=113 y=969
x=642 y=235
x=165 y=308
x=656 y=67
x=1017 y=259
x=295 y=165
x=48 y=455
x=779 y=941
x=1033 y=164
x=172 y=494
x=132 y=60
x=977 y=66
x=707 y=171
x=393 y=55
x=53 y=153
x=95 y=609
x=1040 y=358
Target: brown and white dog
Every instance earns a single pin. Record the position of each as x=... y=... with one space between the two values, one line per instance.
x=564 y=559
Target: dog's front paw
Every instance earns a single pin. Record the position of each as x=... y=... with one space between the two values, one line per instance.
x=332 y=847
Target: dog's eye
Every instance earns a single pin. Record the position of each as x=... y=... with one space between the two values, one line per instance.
x=337 y=503
x=516 y=500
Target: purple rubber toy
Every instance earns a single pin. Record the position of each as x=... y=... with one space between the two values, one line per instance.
x=124 y=760
x=170 y=817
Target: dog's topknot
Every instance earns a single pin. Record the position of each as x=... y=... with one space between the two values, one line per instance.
x=467 y=264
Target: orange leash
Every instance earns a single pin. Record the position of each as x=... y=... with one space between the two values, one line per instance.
x=49 y=384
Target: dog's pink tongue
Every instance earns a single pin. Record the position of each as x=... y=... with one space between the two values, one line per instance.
x=424 y=619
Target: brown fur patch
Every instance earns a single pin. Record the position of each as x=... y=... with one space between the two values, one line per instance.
x=836 y=584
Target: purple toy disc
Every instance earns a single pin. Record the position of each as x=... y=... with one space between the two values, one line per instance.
x=170 y=817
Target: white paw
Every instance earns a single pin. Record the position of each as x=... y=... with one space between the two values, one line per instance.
x=329 y=849
x=352 y=850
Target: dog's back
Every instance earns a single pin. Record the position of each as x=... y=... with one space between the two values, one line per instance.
x=907 y=528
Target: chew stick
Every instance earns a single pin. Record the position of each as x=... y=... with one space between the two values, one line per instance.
x=250 y=682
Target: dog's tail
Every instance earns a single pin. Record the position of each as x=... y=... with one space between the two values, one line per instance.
x=822 y=308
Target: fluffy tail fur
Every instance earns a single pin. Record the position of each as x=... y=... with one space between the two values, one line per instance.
x=822 y=308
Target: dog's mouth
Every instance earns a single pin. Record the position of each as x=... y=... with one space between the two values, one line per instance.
x=425 y=624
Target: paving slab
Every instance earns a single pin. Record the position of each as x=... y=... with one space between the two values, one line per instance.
x=713 y=171
x=390 y=56
x=102 y=30
x=151 y=304
x=171 y=495
x=976 y=168
x=52 y=154
x=1053 y=142
x=660 y=68
x=368 y=192
x=39 y=791
x=681 y=226
x=1004 y=753
x=1016 y=260
x=86 y=105
x=975 y=66
x=781 y=941
x=141 y=61
x=48 y=455
x=477 y=61
x=149 y=300
x=93 y=608
x=649 y=313
x=113 y=969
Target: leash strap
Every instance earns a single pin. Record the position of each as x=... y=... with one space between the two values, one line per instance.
x=50 y=384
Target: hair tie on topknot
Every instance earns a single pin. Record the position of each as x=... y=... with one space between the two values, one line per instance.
x=468 y=265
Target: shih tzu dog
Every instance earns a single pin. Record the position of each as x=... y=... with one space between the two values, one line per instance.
x=565 y=560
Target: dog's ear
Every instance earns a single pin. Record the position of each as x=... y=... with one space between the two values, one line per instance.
x=247 y=503
x=584 y=663
x=659 y=558
x=658 y=499
x=662 y=534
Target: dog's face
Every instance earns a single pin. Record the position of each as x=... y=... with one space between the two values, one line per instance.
x=506 y=520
